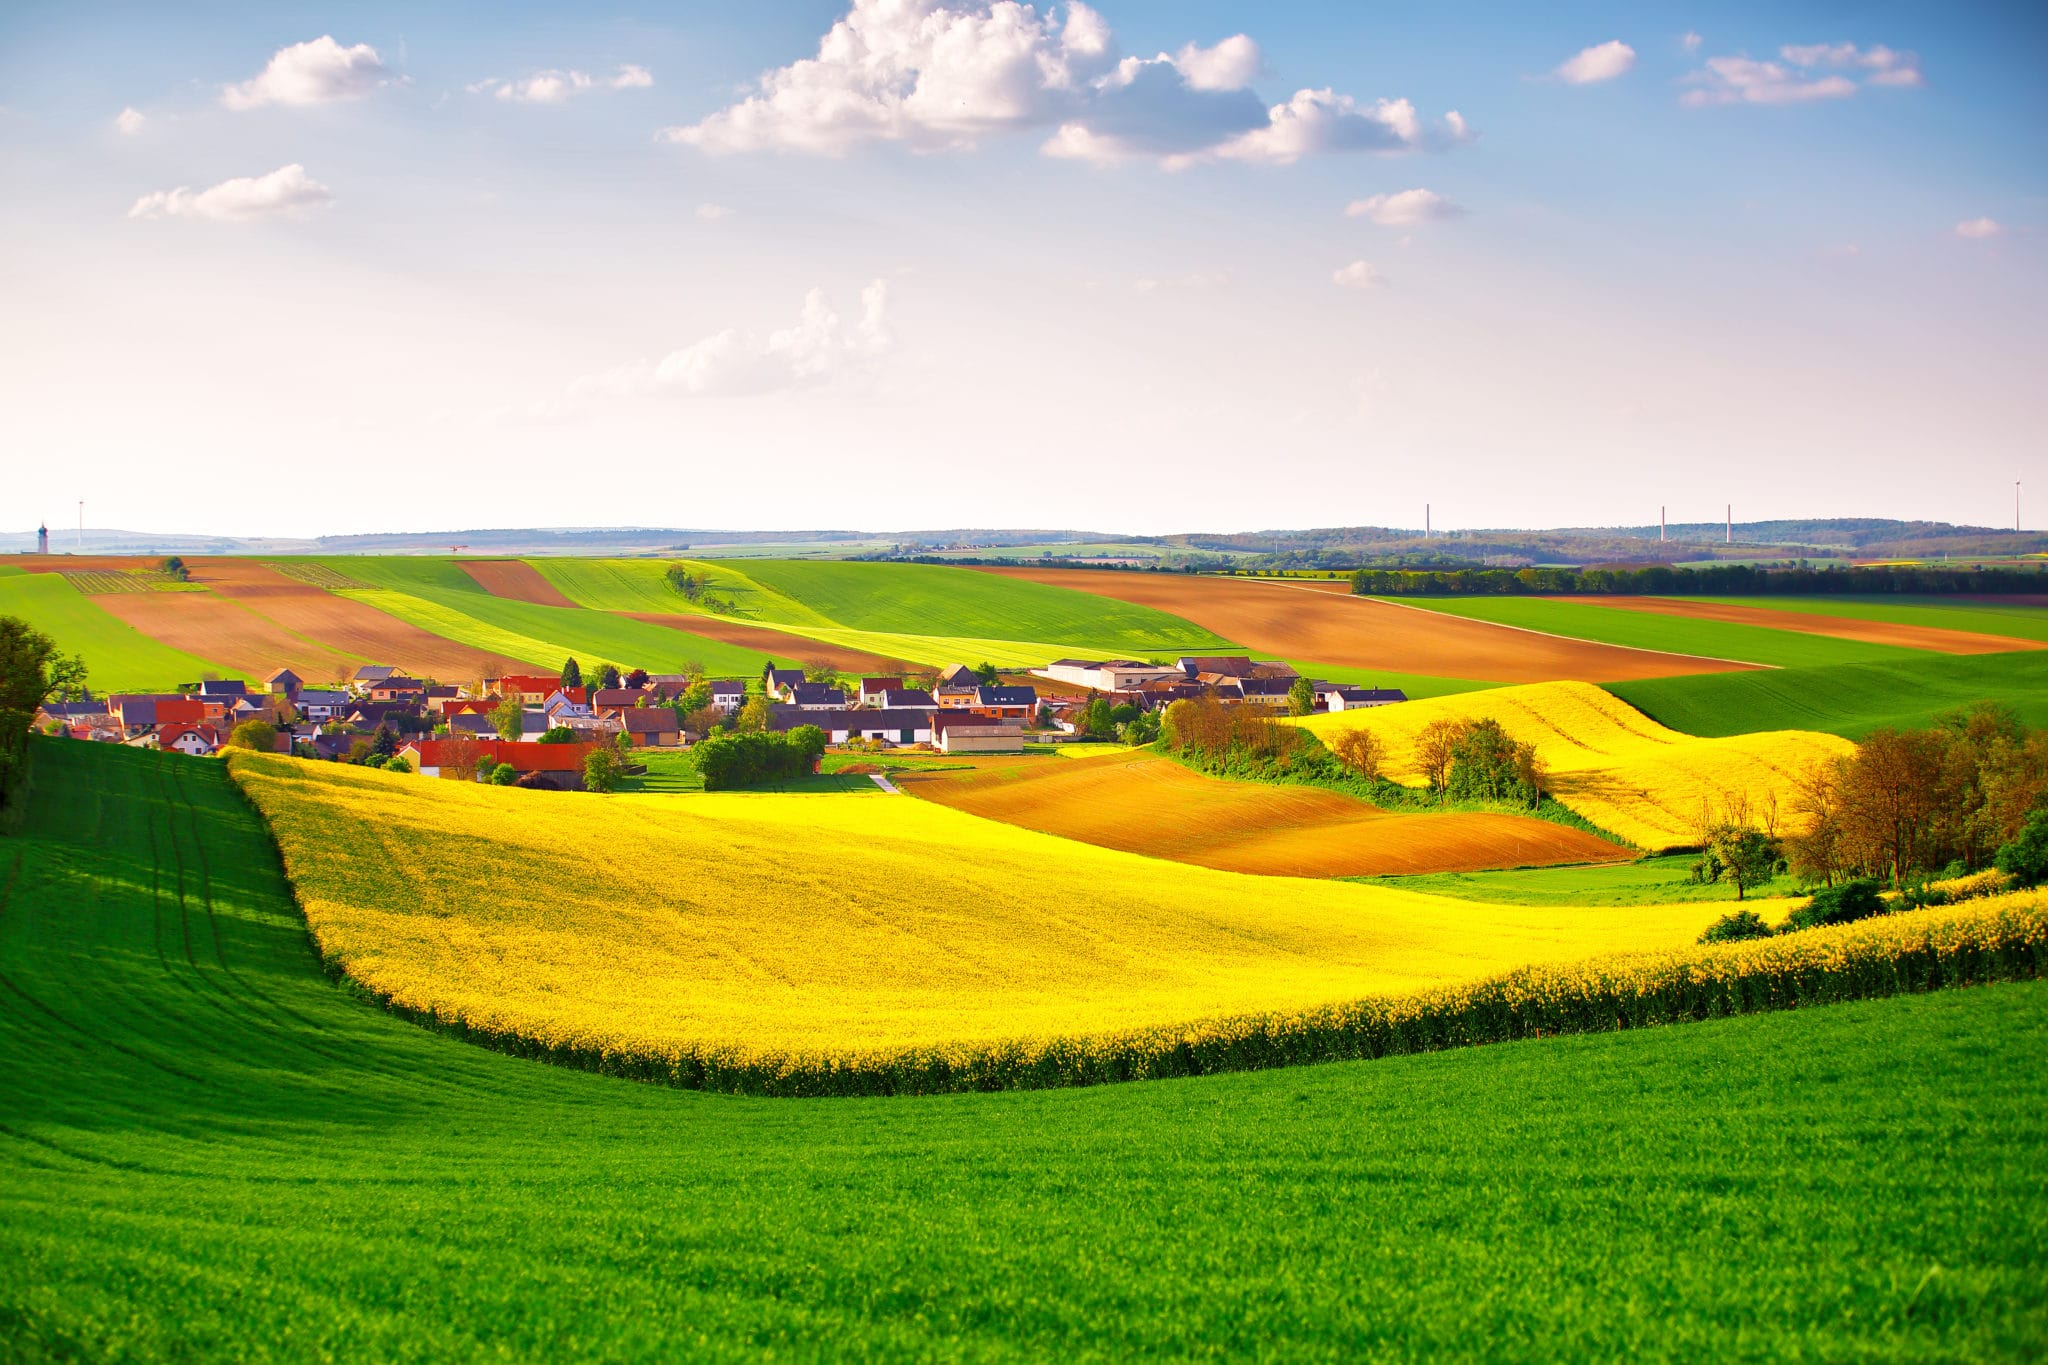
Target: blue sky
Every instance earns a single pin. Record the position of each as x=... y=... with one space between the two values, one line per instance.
x=1144 y=266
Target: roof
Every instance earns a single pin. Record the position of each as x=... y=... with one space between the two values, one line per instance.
x=447 y=691
x=169 y=734
x=223 y=687
x=397 y=683
x=890 y=718
x=1006 y=696
x=1229 y=665
x=778 y=677
x=974 y=720
x=880 y=684
x=73 y=710
x=1265 y=687
x=906 y=696
x=650 y=720
x=1371 y=693
x=617 y=696
x=728 y=687
x=373 y=673
x=282 y=673
x=958 y=675
x=817 y=694
x=527 y=758
x=530 y=682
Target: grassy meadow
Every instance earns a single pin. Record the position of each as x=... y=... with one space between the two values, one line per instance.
x=211 y=1151
x=1659 y=880
x=1848 y=700
x=121 y=658
x=1986 y=616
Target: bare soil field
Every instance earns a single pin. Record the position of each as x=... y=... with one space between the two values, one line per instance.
x=514 y=579
x=777 y=644
x=1934 y=639
x=1143 y=803
x=1324 y=622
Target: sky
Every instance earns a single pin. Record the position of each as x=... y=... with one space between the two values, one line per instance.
x=288 y=269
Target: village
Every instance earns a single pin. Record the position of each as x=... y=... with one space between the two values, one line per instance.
x=539 y=730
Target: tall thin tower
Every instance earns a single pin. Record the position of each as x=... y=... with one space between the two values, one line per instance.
x=1425 y=520
x=1660 y=526
x=1731 y=523
x=2015 y=504
x=43 y=539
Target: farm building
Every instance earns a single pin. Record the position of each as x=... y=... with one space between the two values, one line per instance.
x=284 y=683
x=1014 y=703
x=1357 y=698
x=964 y=732
x=898 y=699
x=889 y=726
x=559 y=766
x=815 y=697
x=728 y=694
x=1108 y=675
x=653 y=727
x=872 y=690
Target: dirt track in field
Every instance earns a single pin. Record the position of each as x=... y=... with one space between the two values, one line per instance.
x=255 y=618
x=1327 y=624
x=787 y=649
x=1143 y=803
x=514 y=579
x=1931 y=638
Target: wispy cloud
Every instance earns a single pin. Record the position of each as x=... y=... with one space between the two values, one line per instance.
x=943 y=75
x=317 y=72
x=1979 y=229
x=1405 y=208
x=1357 y=275
x=558 y=87
x=1601 y=62
x=1821 y=71
x=286 y=191
x=820 y=348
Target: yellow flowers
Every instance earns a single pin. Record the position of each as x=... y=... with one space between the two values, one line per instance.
x=1608 y=761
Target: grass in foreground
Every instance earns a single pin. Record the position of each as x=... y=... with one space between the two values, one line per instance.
x=1850 y=700
x=210 y=1152
x=1663 y=880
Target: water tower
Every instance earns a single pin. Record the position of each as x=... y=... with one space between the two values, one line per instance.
x=42 y=540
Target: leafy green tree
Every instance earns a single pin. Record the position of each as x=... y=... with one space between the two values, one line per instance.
x=558 y=734
x=399 y=764
x=572 y=674
x=1142 y=728
x=1097 y=720
x=602 y=769
x=384 y=741
x=822 y=671
x=988 y=673
x=504 y=775
x=608 y=676
x=508 y=718
x=2025 y=859
x=1301 y=698
x=754 y=715
x=257 y=735
x=1748 y=857
x=695 y=697
x=1488 y=765
x=487 y=769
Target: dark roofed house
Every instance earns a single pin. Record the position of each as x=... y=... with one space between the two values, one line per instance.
x=956 y=732
x=728 y=694
x=897 y=699
x=606 y=699
x=890 y=726
x=817 y=697
x=778 y=681
x=371 y=673
x=317 y=703
x=1356 y=698
x=1265 y=691
x=958 y=675
x=223 y=687
x=284 y=683
x=1017 y=703
x=396 y=688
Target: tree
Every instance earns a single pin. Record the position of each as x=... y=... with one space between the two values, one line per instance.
x=572 y=674
x=1487 y=764
x=359 y=751
x=1142 y=728
x=608 y=676
x=508 y=718
x=808 y=742
x=1301 y=698
x=384 y=741
x=462 y=755
x=602 y=769
x=821 y=671
x=1097 y=720
x=988 y=673
x=1748 y=857
x=504 y=775
x=1816 y=847
x=1362 y=751
x=486 y=769
x=636 y=679
x=2025 y=859
x=255 y=735
x=1891 y=792
x=754 y=715
x=695 y=697
x=1435 y=749
x=399 y=764
x=174 y=567
x=1733 y=928
x=558 y=734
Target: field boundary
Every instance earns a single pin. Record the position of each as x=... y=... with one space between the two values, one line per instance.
x=1553 y=635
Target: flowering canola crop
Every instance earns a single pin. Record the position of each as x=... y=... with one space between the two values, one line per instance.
x=1606 y=760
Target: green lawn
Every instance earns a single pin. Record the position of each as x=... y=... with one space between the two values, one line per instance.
x=1649 y=881
x=209 y=1151
x=118 y=657
x=1986 y=618
x=1849 y=700
x=1647 y=630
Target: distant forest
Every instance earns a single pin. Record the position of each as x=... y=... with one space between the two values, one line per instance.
x=1719 y=580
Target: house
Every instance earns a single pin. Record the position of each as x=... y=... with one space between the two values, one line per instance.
x=397 y=688
x=964 y=732
x=816 y=697
x=368 y=675
x=609 y=699
x=436 y=698
x=957 y=676
x=778 y=681
x=530 y=688
x=652 y=727
x=1108 y=675
x=284 y=683
x=223 y=687
x=196 y=740
x=587 y=729
x=872 y=689
x=73 y=713
x=1014 y=703
x=561 y=703
x=1356 y=698
x=905 y=699
x=472 y=723
x=148 y=710
x=728 y=694
x=910 y=726
x=1265 y=691
x=559 y=766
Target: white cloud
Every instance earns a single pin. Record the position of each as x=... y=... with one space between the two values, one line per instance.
x=821 y=348
x=1691 y=41
x=318 y=72
x=1804 y=73
x=286 y=191
x=1977 y=229
x=1602 y=62
x=1406 y=208
x=130 y=121
x=1358 y=275
x=944 y=73
x=713 y=212
x=556 y=87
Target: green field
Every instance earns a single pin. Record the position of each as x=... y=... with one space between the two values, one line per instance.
x=1648 y=881
x=437 y=596
x=1983 y=617
x=1647 y=630
x=210 y=1151
x=1849 y=700
x=118 y=657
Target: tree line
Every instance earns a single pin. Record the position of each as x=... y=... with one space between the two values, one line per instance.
x=1719 y=580
x=32 y=671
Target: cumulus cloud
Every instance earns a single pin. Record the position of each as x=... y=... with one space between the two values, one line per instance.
x=1602 y=62
x=318 y=72
x=1405 y=208
x=820 y=348
x=130 y=121
x=286 y=191
x=1820 y=71
x=1357 y=275
x=557 y=87
x=937 y=74
x=1977 y=229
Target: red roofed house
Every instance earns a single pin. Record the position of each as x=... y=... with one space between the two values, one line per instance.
x=560 y=765
x=533 y=689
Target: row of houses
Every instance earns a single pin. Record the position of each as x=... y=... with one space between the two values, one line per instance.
x=1232 y=679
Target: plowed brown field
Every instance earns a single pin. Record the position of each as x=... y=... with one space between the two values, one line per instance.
x=514 y=579
x=1935 y=639
x=1143 y=803
x=777 y=644
x=1328 y=625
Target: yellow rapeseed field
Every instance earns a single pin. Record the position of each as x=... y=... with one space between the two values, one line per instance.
x=1608 y=761
x=765 y=926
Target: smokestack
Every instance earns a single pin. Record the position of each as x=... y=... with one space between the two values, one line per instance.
x=1731 y=523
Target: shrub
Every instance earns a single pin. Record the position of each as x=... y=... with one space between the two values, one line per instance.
x=1842 y=904
x=258 y=735
x=1736 y=927
x=2025 y=859
x=375 y=761
x=504 y=775
x=487 y=768
x=559 y=734
x=747 y=758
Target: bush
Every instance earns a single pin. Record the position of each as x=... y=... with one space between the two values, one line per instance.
x=2025 y=859
x=558 y=734
x=487 y=768
x=399 y=764
x=504 y=775
x=375 y=761
x=1736 y=927
x=1843 y=904
x=747 y=758
x=258 y=735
